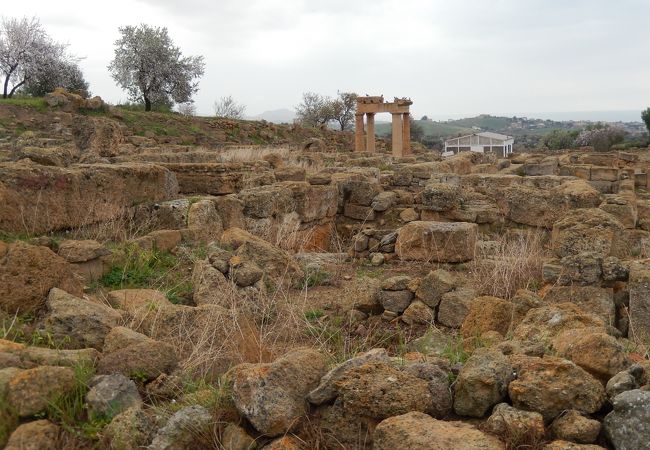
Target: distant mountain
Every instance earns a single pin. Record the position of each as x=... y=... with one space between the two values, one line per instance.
x=282 y=115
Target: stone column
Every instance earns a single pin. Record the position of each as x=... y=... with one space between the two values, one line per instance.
x=370 y=137
x=397 y=134
x=406 y=134
x=358 y=133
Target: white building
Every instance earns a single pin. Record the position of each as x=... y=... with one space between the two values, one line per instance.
x=482 y=142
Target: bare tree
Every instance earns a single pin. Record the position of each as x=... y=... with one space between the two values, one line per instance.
x=228 y=108
x=187 y=109
x=152 y=69
x=343 y=108
x=26 y=51
x=315 y=110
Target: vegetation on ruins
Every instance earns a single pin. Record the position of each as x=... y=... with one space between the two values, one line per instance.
x=33 y=63
x=226 y=107
x=152 y=69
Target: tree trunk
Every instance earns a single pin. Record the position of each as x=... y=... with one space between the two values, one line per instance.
x=4 y=93
x=11 y=94
x=147 y=103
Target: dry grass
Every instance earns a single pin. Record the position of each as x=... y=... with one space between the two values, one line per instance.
x=515 y=262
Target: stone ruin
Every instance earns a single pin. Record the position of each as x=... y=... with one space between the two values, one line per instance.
x=561 y=356
x=368 y=106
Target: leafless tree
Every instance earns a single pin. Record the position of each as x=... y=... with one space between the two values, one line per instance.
x=227 y=107
x=26 y=52
x=152 y=69
x=187 y=109
x=315 y=110
x=343 y=108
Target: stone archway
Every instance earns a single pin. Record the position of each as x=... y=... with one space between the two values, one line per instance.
x=369 y=106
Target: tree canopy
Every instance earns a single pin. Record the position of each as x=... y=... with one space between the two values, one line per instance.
x=318 y=110
x=28 y=54
x=152 y=69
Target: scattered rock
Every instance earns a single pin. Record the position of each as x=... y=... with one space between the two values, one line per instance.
x=109 y=395
x=273 y=396
x=572 y=387
x=36 y=435
x=628 y=425
x=28 y=272
x=482 y=383
x=191 y=427
x=77 y=322
x=326 y=390
x=573 y=426
x=30 y=391
x=418 y=431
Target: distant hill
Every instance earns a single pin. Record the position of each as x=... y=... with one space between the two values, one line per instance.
x=282 y=115
x=513 y=126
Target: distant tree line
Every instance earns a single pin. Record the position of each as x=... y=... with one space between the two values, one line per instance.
x=600 y=136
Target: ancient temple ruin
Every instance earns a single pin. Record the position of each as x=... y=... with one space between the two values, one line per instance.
x=401 y=131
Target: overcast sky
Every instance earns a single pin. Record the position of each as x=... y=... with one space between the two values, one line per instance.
x=460 y=57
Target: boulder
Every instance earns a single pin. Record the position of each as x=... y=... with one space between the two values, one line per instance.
x=454 y=306
x=30 y=391
x=594 y=350
x=121 y=337
x=566 y=445
x=628 y=425
x=326 y=389
x=482 y=383
x=639 y=310
x=376 y=390
x=100 y=136
x=110 y=395
x=487 y=314
x=130 y=430
x=28 y=272
x=551 y=385
x=235 y=437
x=441 y=197
x=344 y=430
x=395 y=301
x=436 y=241
x=545 y=323
x=519 y=427
x=82 y=251
x=276 y=263
x=592 y=299
x=439 y=386
x=417 y=313
x=191 y=427
x=273 y=396
x=142 y=361
x=36 y=435
x=204 y=220
x=573 y=426
x=53 y=198
x=434 y=285
x=588 y=230
x=418 y=431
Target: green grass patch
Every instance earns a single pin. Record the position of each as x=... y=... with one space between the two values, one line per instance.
x=37 y=103
x=148 y=269
x=455 y=352
x=69 y=409
x=314 y=314
x=315 y=278
x=369 y=273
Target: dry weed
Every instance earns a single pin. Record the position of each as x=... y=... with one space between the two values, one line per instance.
x=514 y=262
